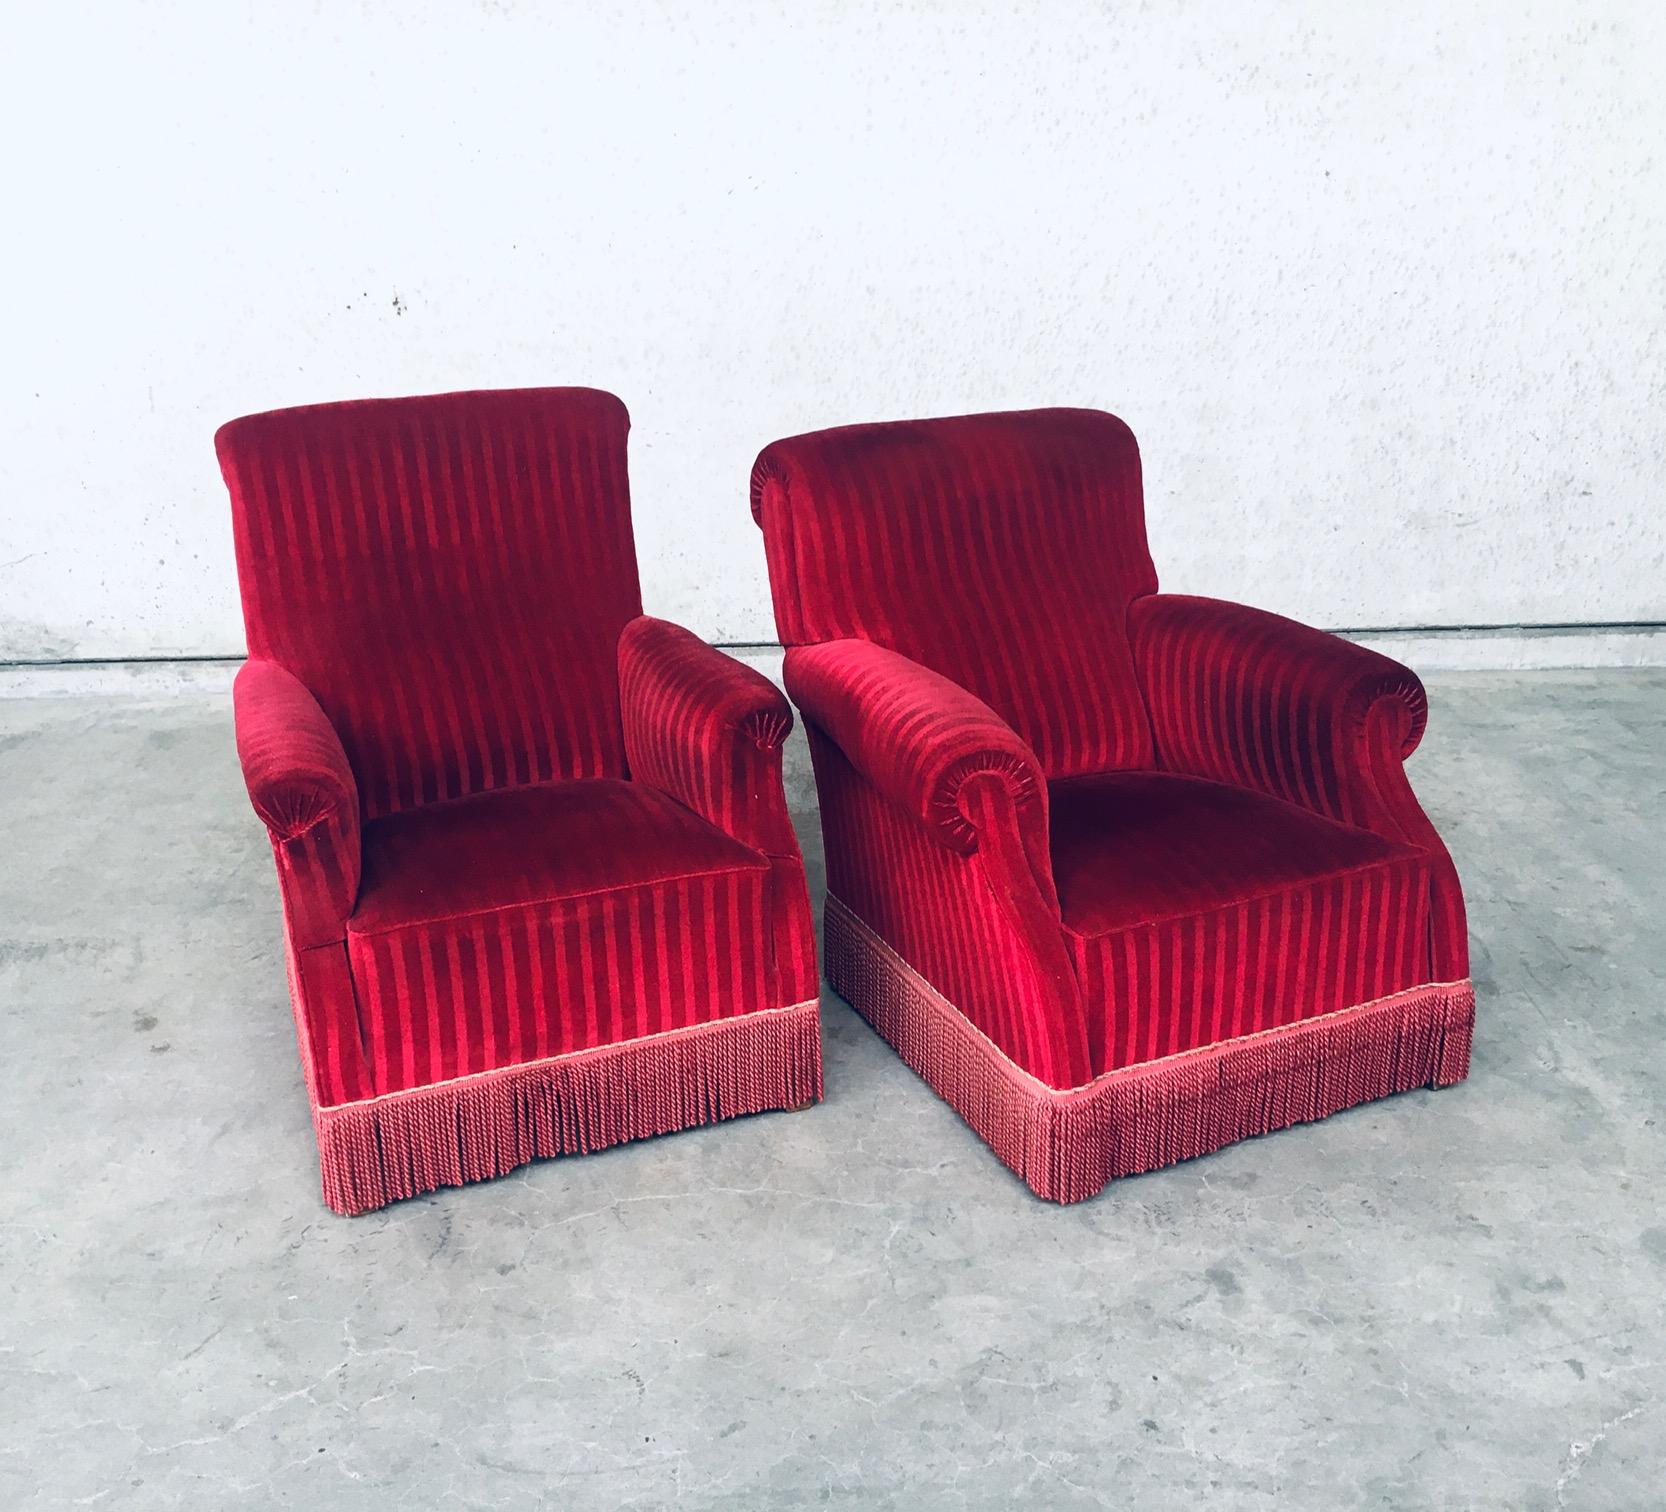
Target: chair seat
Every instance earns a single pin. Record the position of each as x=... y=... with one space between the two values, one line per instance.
x=515 y=925
x=527 y=845
x=1198 y=912
x=1139 y=847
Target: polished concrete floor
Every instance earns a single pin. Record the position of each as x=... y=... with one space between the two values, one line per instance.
x=1451 y=1299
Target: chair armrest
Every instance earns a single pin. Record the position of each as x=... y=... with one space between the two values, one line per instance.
x=1250 y=698
x=304 y=792
x=935 y=750
x=970 y=802
x=707 y=731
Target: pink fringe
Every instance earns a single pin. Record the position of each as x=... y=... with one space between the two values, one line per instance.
x=1068 y=1144
x=374 y=1152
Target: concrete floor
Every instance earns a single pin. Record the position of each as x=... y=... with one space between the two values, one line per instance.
x=1446 y=1300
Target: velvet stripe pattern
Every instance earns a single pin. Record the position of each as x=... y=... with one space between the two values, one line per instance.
x=305 y=793
x=423 y=565
x=998 y=550
x=918 y=737
x=1259 y=701
x=507 y=937
x=938 y=909
x=327 y=1023
x=709 y=731
x=1161 y=989
x=1246 y=697
x=466 y=995
x=1096 y=836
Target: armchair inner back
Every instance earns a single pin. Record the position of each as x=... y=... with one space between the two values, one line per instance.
x=448 y=575
x=999 y=550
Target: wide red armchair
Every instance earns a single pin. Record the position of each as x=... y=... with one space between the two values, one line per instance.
x=1125 y=876
x=540 y=890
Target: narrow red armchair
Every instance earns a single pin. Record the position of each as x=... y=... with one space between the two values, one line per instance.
x=1125 y=876
x=540 y=891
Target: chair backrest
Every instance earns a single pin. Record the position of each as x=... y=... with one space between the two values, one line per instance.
x=1000 y=550
x=448 y=575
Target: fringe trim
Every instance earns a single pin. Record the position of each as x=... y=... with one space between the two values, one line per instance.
x=1068 y=1144
x=400 y=1144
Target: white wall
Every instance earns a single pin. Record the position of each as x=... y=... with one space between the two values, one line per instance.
x=1380 y=288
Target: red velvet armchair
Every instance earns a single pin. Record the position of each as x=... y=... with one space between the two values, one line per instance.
x=1124 y=875
x=539 y=887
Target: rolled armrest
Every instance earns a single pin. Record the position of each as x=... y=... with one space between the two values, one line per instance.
x=1242 y=696
x=1250 y=698
x=293 y=764
x=706 y=730
x=304 y=792
x=973 y=787
x=709 y=731
x=924 y=741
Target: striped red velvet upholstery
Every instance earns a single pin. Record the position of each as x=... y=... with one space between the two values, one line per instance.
x=305 y=794
x=539 y=886
x=985 y=946
x=999 y=550
x=540 y=920
x=1108 y=827
x=709 y=732
x=1196 y=912
x=425 y=566
x=1252 y=698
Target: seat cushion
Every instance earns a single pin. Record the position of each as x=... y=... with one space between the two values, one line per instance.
x=1136 y=847
x=1198 y=912
x=532 y=845
x=514 y=925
